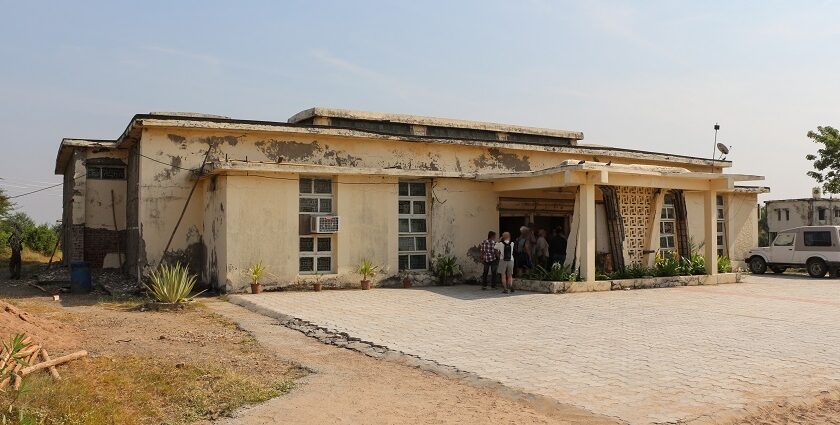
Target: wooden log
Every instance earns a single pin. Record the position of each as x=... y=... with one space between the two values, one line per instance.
x=53 y=371
x=33 y=356
x=54 y=362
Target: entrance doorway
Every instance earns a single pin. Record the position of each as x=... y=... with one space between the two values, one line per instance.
x=534 y=222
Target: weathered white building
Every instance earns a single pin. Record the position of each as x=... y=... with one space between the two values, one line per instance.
x=314 y=196
x=784 y=214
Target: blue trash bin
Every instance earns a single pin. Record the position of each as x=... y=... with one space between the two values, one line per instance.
x=80 y=282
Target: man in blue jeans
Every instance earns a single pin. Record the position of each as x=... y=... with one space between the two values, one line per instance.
x=489 y=259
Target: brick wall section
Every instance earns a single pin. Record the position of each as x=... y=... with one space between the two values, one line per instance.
x=100 y=242
x=76 y=243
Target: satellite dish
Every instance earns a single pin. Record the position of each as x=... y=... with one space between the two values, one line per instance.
x=723 y=148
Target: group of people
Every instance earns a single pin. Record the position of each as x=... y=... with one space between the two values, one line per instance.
x=505 y=258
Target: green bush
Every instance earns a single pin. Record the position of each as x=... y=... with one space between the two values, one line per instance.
x=41 y=238
x=556 y=273
x=724 y=264
x=666 y=266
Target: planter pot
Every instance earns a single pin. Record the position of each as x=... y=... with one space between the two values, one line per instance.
x=256 y=288
x=365 y=284
x=316 y=287
x=406 y=283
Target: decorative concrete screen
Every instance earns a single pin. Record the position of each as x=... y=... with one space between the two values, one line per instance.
x=635 y=204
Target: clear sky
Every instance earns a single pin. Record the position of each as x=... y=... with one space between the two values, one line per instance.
x=653 y=75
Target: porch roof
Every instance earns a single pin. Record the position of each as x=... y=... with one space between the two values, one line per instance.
x=575 y=173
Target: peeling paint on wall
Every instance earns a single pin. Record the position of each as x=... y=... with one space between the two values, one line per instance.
x=502 y=160
x=176 y=138
x=174 y=167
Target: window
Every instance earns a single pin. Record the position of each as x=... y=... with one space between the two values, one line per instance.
x=820 y=238
x=106 y=173
x=668 y=227
x=784 y=239
x=413 y=228
x=315 y=195
x=721 y=227
x=778 y=214
x=787 y=214
x=821 y=213
x=836 y=212
x=315 y=252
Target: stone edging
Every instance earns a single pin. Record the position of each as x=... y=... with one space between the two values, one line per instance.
x=344 y=340
x=552 y=287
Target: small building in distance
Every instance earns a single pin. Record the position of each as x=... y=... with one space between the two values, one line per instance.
x=784 y=214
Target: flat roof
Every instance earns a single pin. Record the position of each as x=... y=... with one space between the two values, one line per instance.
x=430 y=121
x=218 y=122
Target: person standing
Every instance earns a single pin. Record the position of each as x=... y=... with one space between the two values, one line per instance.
x=490 y=259
x=557 y=246
x=524 y=250
x=17 y=246
x=504 y=249
x=541 y=249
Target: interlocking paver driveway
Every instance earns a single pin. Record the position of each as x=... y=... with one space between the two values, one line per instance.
x=657 y=355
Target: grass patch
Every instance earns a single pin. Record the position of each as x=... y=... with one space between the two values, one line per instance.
x=137 y=390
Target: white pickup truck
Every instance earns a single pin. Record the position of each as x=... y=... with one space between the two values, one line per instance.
x=816 y=248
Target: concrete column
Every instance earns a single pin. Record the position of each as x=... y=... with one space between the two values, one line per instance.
x=710 y=226
x=587 y=232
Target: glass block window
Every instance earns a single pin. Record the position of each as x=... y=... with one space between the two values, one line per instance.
x=315 y=251
x=721 y=227
x=315 y=254
x=316 y=195
x=413 y=226
x=668 y=227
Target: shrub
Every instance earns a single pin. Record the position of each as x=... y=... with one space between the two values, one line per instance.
x=724 y=264
x=367 y=269
x=556 y=273
x=446 y=266
x=41 y=238
x=171 y=284
x=256 y=271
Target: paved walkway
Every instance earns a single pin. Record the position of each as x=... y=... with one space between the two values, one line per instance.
x=645 y=356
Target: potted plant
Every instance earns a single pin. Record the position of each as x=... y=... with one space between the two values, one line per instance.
x=317 y=285
x=446 y=266
x=367 y=270
x=255 y=272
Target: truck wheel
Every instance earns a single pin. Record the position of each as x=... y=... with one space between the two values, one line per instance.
x=758 y=265
x=778 y=269
x=817 y=268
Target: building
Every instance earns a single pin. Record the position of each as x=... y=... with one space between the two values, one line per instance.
x=330 y=187
x=784 y=214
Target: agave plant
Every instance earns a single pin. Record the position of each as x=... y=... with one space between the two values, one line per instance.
x=171 y=284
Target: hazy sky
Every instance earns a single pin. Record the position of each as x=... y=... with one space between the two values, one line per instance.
x=653 y=75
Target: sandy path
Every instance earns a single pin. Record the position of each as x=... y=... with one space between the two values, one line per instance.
x=351 y=388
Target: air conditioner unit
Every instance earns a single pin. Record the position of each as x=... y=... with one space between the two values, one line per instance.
x=324 y=224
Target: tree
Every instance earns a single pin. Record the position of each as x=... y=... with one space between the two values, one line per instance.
x=827 y=161
x=40 y=238
x=763 y=229
x=5 y=204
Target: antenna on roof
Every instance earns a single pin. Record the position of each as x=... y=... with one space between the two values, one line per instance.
x=717 y=127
